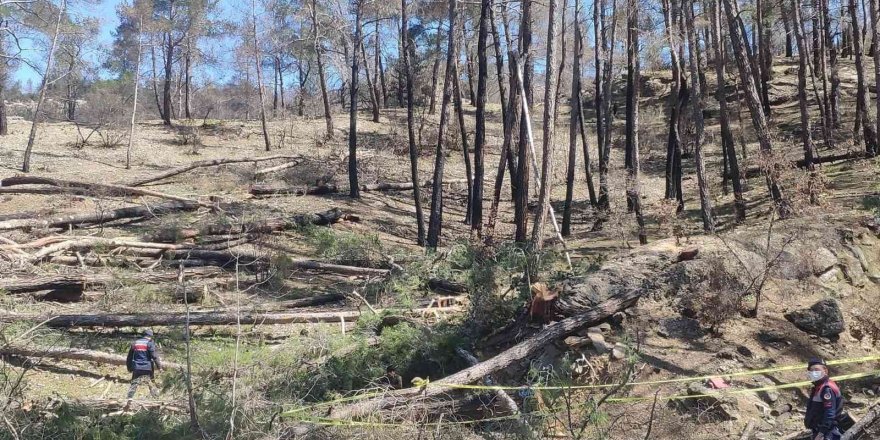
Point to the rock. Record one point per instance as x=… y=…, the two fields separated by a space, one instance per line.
x=830 y=276
x=662 y=333
x=687 y=254
x=618 y=352
x=770 y=396
x=822 y=319
x=779 y=410
x=823 y=260
x=599 y=343
x=743 y=350
x=604 y=327
x=712 y=403
x=576 y=341
x=594 y=330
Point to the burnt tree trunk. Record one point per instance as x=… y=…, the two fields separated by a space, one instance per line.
x=732 y=162
x=410 y=125
x=794 y=15
x=677 y=97
x=574 y=124
x=465 y=148
x=753 y=100
x=435 y=71
x=435 y=222
x=633 y=87
x=476 y=203
x=521 y=199
x=868 y=134
x=353 y=187
x=699 y=123
x=548 y=131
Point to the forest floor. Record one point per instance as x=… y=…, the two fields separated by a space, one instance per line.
x=270 y=358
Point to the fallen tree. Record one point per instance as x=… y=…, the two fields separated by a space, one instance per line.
x=98 y=217
x=267 y=190
x=511 y=356
x=264 y=226
x=94 y=189
x=204 y=318
x=277 y=168
x=70 y=353
x=202 y=164
x=54 y=282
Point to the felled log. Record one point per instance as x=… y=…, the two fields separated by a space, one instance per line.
x=316 y=190
x=277 y=168
x=403 y=186
x=833 y=158
x=505 y=359
x=199 y=318
x=311 y=301
x=446 y=287
x=53 y=282
x=255 y=227
x=857 y=431
x=95 y=189
x=201 y=164
x=97 y=217
x=69 y=353
x=122 y=406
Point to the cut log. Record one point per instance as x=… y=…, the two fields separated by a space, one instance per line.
x=277 y=168
x=312 y=301
x=201 y=164
x=113 y=407
x=80 y=219
x=318 y=190
x=56 y=282
x=404 y=186
x=171 y=235
x=446 y=287
x=507 y=358
x=94 y=189
x=202 y=318
x=833 y=158
x=857 y=431
x=77 y=354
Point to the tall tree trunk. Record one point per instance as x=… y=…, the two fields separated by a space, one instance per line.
x=562 y=60
x=868 y=135
x=633 y=87
x=187 y=82
x=506 y=160
x=50 y=56
x=4 y=121
x=274 y=85
x=699 y=123
x=794 y=13
x=608 y=117
x=835 y=68
x=379 y=73
x=789 y=46
x=548 y=147
x=521 y=200
x=753 y=100
x=435 y=71
x=303 y=77
x=166 y=87
x=822 y=67
x=677 y=97
x=465 y=148
x=281 y=81
x=258 y=67
x=598 y=59
x=574 y=122
x=353 y=187
x=470 y=70
x=137 y=77
x=875 y=20
x=319 y=59
x=763 y=52
x=410 y=125
x=374 y=98
x=480 y=129
x=155 y=78
x=71 y=89
x=435 y=222
x=739 y=205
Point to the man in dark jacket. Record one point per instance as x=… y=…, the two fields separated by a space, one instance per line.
x=825 y=405
x=142 y=357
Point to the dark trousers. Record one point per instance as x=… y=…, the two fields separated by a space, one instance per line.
x=138 y=377
x=833 y=435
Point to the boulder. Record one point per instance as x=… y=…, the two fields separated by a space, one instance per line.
x=599 y=342
x=822 y=319
x=712 y=403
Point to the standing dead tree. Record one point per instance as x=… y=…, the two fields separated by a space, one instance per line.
x=44 y=82
x=435 y=222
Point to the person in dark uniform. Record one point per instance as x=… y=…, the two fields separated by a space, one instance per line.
x=825 y=405
x=142 y=357
x=391 y=379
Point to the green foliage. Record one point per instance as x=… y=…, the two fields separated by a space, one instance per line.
x=77 y=423
x=345 y=247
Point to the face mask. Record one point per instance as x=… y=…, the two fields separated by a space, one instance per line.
x=815 y=375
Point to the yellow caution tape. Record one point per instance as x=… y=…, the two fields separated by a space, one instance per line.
x=423 y=383
x=355 y=423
